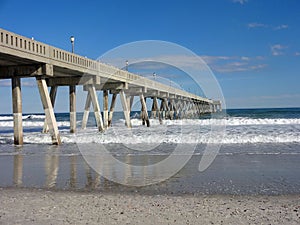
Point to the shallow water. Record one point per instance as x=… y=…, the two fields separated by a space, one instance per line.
x=269 y=169
x=260 y=154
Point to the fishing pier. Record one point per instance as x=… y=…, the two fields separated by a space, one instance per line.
x=22 y=57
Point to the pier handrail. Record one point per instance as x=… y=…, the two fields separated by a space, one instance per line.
x=41 y=52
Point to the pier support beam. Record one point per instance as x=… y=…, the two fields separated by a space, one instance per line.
x=49 y=113
x=154 y=108
x=72 y=95
x=172 y=109
x=159 y=112
x=86 y=110
x=162 y=112
x=125 y=109
x=17 y=110
x=129 y=100
x=167 y=109
x=112 y=109
x=53 y=92
x=105 y=108
x=144 y=112
x=97 y=111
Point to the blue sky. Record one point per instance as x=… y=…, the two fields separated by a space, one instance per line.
x=252 y=46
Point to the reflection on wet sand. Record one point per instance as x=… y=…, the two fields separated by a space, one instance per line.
x=73 y=173
x=51 y=169
x=18 y=170
x=56 y=168
x=90 y=182
x=53 y=165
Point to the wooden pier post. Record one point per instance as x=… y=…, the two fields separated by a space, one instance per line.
x=97 y=110
x=53 y=92
x=125 y=109
x=17 y=110
x=49 y=113
x=112 y=109
x=86 y=110
x=72 y=95
x=144 y=110
x=105 y=108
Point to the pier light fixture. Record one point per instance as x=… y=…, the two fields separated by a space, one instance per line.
x=154 y=76
x=126 y=65
x=72 y=39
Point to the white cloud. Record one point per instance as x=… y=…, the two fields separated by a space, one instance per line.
x=240 y=1
x=255 y=25
x=297 y=53
x=221 y=64
x=25 y=82
x=281 y=27
x=245 y=58
x=225 y=64
x=262 y=25
x=5 y=83
x=278 y=49
x=238 y=67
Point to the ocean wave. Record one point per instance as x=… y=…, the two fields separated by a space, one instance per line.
x=231 y=121
x=150 y=139
x=31 y=117
x=35 y=120
x=29 y=123
x=238 y=130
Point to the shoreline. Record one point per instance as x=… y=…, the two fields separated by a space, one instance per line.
x=42 y=206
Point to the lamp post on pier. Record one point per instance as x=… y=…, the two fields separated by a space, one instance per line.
x=72 y=39
x=154 y=76
x=126 y=68
x=72 y=98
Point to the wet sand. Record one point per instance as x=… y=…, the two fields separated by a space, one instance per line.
x=54 y=185
x=37 y=206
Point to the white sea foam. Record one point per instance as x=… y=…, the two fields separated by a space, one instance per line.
x=238 y=130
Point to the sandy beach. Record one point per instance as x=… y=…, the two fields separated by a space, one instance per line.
x=37 y=206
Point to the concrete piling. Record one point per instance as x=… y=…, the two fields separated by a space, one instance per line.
x=72 y=94
x=49 y=113
x=17 y=110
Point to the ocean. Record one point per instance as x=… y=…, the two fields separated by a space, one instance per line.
x=258 y=153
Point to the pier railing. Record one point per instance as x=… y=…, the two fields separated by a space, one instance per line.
x=41 y=52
